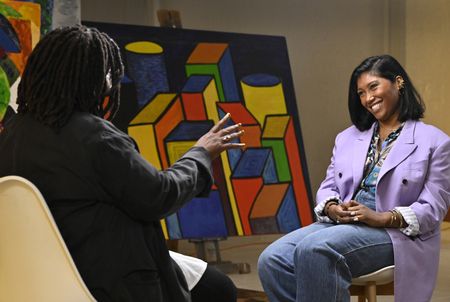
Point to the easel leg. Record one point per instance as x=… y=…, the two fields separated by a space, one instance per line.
x=227 y=267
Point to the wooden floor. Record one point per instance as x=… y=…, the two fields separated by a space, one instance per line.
x=247 y=295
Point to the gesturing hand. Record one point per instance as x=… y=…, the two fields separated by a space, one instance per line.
x=219 y=138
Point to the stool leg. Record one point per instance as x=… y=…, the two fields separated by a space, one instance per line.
x=371 y=291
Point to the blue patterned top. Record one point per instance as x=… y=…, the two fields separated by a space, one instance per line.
x=374 y=161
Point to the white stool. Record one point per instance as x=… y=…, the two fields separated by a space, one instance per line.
x=365 y=287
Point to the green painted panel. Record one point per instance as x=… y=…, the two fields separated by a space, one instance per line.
x=10 y=69
x=8 y=11
x=280 y=156
x=5 y=94
x=207 y=69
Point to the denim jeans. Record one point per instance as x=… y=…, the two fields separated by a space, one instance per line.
x=316 y=263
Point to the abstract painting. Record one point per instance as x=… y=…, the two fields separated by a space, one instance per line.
x=178 y=84
x=22 y=24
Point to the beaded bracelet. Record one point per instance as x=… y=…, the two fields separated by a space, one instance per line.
x=328 y=205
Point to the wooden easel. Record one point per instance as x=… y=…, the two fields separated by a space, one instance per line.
x=169 y=18
x=227 y=267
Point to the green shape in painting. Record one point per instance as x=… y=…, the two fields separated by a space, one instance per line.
x=10 y=69
x=8 y=11
x=207 y=69
x=281 y=158
x=5 y=93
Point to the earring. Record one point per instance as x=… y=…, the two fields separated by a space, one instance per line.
x=400 y=83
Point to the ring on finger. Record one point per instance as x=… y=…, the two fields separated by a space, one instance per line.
x=352 y=213
x=337 y=220
x=226 y=138
x=356 y=219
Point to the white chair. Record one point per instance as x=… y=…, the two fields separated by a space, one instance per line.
x=35 y=264
x=368 y=286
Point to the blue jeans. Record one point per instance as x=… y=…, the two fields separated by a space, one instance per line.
x=316 y=263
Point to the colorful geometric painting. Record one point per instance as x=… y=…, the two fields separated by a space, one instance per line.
x=178 y=84
x=20 y=30
x=22 y=24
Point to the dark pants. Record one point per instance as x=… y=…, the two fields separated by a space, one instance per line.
x=214 y=286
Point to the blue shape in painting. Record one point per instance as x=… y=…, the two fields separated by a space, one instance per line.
x=228 y=79
x=270 y=175
x=173 y=228
x=197 y=83
x=287 y=217
x=256 y=162
x=261 y=80
x=148 y=71
x=8 y=37
x=203 y=218
x=189 y=130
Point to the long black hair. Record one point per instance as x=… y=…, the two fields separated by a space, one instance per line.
x=71 y=69
x=411 y=105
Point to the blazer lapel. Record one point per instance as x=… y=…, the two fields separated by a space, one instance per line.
x=402 y=148
x=359 y=155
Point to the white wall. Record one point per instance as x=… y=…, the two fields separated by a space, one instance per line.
x=137 y=12
x=326 y=40
x=428 y=56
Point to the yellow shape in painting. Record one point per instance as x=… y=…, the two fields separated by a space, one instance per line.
x=177 y=149
x=142 y=127
x=275 y=126
x=144 y=135
x=144 y=47
x=151 y=112
x=211 y=98
x=264 y=100
x=164 y=228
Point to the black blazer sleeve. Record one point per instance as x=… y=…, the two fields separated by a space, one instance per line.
x=137 y=187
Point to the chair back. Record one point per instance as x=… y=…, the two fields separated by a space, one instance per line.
x=35 y=264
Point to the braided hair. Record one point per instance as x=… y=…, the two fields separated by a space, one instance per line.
x=71 y=69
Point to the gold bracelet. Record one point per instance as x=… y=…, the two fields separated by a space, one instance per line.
x=393 y=218
x=400 y=218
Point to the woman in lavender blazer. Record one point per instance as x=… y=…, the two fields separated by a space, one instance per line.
x=385 y=194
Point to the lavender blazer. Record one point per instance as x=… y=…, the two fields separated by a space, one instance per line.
x=416 y=173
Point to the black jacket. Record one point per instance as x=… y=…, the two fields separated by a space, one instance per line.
x=107 y=202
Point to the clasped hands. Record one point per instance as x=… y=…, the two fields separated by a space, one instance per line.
x=352 y=212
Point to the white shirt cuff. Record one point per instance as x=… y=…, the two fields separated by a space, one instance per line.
x=318 y=210
x=413 y=228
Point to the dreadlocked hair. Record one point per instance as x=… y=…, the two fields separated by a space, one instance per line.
x=66 y=72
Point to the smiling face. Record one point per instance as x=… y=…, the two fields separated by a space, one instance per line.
x=380 y=97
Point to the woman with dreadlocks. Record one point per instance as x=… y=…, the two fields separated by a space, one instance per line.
x=105 y=198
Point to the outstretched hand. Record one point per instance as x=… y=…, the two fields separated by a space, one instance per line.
x=219 y=139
